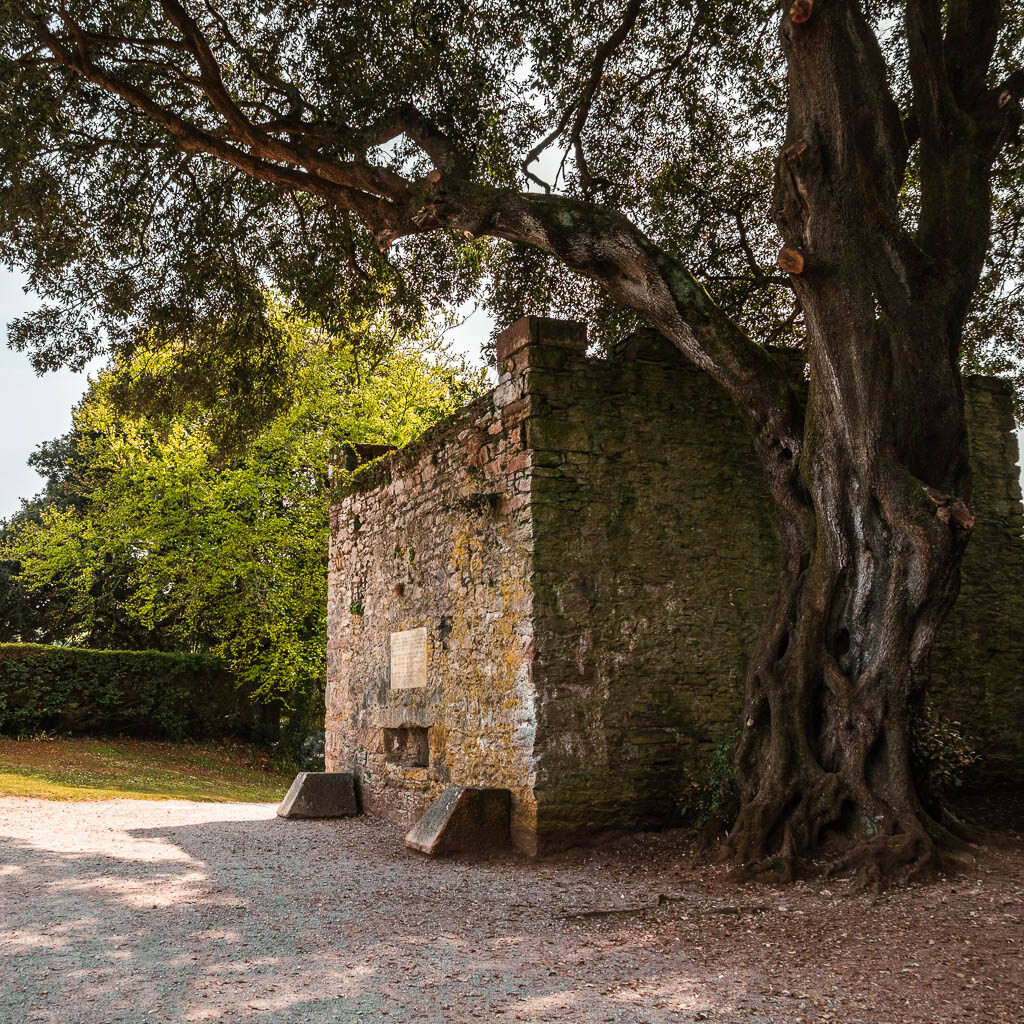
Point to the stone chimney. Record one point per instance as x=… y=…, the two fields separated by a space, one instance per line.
x=516 y=344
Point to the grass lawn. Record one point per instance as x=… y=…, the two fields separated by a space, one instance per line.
x=87 y=769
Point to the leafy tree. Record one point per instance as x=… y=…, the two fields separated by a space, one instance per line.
x=165 y=540
x=162 y=160
x=40 y=614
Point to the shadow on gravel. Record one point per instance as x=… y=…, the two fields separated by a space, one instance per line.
x=301 y=921
x=253 y=918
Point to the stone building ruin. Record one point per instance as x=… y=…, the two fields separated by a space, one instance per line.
x=555 y=591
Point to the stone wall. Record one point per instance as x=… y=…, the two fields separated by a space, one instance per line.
x=591 y=551
x=435 y=536
x=978 y=660
x=654 y=560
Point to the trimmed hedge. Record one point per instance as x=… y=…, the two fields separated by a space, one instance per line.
x=147 y=694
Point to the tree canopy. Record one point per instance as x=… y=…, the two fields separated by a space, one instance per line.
x=160 y=162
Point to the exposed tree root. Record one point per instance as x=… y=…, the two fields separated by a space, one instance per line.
x=816 y=826
x=875 y=861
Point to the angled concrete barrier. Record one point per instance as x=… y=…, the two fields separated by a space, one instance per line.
x=320 y=795
x=463 y=819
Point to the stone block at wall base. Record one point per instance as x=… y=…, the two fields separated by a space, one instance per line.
x=320 y=795
x=464 y=819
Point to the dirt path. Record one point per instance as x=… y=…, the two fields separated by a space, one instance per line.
x=137 y=911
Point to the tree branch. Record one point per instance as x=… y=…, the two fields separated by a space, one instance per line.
x=406 y=119
x=972 y=28
x=927 y=70
x=604 y=52
x=192 y=139
x=963 y=125
x=581 y=107
x=288 y=90
x=353 y=175
x=589 y=239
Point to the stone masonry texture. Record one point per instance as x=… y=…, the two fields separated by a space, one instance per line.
x=590 y=550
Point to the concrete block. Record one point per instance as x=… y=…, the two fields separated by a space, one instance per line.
x=320 y=795
x=463 y=819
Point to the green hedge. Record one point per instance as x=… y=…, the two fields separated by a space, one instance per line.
x=148 y=694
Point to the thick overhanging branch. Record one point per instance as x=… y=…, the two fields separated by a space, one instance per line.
x=606 y=247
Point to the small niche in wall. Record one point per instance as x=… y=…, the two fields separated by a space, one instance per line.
x=408 y=745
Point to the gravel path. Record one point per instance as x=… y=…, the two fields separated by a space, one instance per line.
x=173 y=911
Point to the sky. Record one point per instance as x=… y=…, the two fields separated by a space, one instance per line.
x=34 y=409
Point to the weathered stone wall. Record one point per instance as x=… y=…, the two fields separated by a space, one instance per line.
x=978 y=661
x=654 y=559
x=590 y=549
x=435 y=536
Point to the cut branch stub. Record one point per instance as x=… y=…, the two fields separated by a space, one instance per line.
x=801 y=11
x=951 y=510
x=792 y=153
x=792 y=261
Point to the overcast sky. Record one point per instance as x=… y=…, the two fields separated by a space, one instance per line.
x=35 y=409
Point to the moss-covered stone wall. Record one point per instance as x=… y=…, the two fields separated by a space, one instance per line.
x=654 y=563
x=978 y=661
x=654 y=560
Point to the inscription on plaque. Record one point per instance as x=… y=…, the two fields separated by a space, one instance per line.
x=409 y=659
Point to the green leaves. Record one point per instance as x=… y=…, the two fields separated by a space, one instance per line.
x=131 y=229
x=184 y=543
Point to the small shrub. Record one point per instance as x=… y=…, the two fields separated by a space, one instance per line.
x=300 y=742
x=714 y=796
x=941 y=753
x=312 y=751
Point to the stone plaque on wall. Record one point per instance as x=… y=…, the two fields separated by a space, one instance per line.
x=409 y=659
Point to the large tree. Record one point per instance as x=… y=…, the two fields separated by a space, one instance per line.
x=162 y=159
x=151 y=534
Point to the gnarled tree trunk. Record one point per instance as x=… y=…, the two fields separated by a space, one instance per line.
x=874 y=524
x=869 y=571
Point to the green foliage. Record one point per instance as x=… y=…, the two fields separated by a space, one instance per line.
x=941 y=759
x=135 y=693
x=714 y=797
x=941 y=754
x=122 y=232
x=182 y=539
